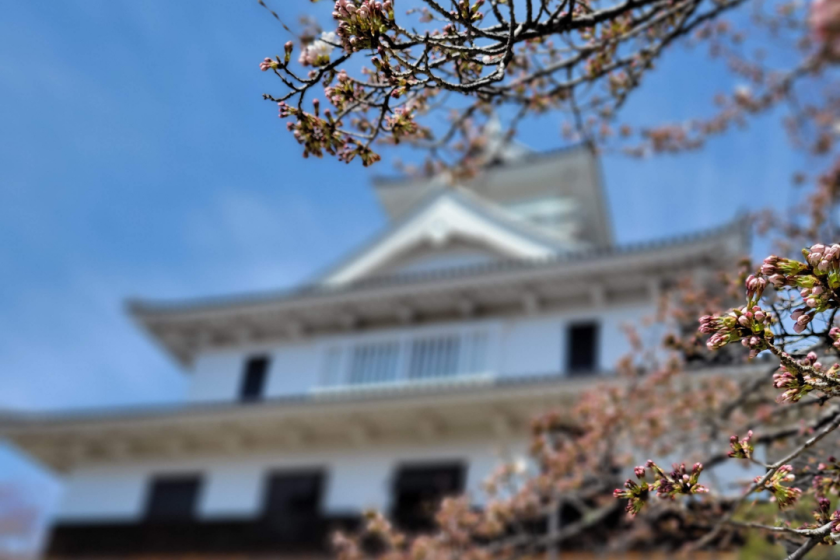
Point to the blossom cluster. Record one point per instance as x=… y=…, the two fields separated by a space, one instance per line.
x=467 y=12
x=823 y=513
x=799 y=382
x=319 y=135
x=362 y=24
x=827 y=479
x=834 y=334
x=275 y=63
x=750 y=325
x=825 y=23
x=402 y=123
x=785 y=496
x=342 y=91
x=318 y=52
x=742 y=449
x=816 y=279
x=667 y=486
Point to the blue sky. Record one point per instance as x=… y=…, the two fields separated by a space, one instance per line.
x=137 y=158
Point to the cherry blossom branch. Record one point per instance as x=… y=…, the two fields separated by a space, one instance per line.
x=510 y=62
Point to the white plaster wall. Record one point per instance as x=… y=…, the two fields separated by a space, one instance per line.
x=537 y=345
x=614 y=343
x=93 y=492
x=532 y=346
x=229 y=488
x=293 y=370
x=216 y=376
x=233 y=486
x=521 y=346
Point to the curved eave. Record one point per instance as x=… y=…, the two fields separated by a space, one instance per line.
x=496 y=408
x=353 y=304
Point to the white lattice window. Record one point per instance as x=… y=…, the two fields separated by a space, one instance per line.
x=374 y=363
x=405 y=358
x=435 y=356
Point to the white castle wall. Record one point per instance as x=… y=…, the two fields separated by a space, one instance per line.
x=232 y=486
x=357 y=478
x=521 y=346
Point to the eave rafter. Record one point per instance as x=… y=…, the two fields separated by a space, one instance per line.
x=494 y=411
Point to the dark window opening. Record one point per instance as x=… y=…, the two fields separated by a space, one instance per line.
x=173 y=498
x=582 y=348
x=418 y=490
x=253 y=380
x=292 y=507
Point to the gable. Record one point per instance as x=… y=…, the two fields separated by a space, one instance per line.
x=428 y=257
x=452 y=226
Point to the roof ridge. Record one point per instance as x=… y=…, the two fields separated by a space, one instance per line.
x=396 y=181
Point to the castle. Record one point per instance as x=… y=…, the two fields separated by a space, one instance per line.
x=405 y=372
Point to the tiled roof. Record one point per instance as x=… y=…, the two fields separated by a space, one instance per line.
x=501 y=265
x=349 y=395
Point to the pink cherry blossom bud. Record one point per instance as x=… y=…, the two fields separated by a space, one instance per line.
x=778 y=280
x=801 y=323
